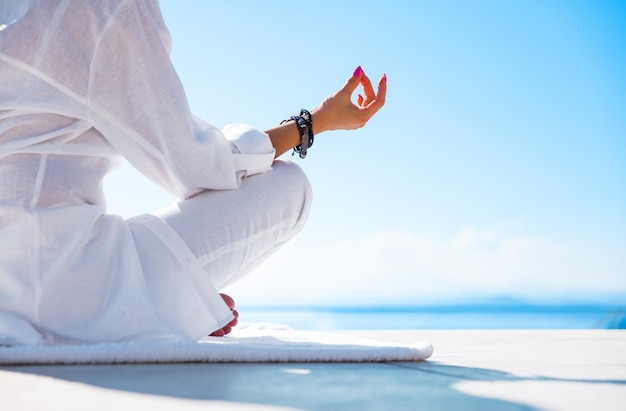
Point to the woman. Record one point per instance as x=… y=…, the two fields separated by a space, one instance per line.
x=85 y=84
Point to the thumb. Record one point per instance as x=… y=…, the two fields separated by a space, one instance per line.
x=354 y=81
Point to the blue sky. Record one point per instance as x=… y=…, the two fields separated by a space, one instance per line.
x=496 y=168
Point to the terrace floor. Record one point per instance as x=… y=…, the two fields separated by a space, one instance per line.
x=470 y=369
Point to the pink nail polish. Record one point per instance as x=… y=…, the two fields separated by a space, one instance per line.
x=357 y=72
x=385 y=78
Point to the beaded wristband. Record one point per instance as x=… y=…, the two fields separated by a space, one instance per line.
x=304 y=122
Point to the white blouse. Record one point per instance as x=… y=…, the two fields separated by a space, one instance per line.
x=84 y=85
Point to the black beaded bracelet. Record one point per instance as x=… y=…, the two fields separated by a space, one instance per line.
x=304 y=122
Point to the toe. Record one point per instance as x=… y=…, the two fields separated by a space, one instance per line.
x=229 y=301
x=218 y=333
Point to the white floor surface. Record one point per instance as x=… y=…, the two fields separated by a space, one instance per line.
x=482 y=370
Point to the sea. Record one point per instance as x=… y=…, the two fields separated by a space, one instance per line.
x=473 y=316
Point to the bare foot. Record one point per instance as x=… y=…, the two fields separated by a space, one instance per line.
x=228 y=327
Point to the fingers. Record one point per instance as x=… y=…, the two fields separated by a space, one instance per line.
x=358 y=78
x=373 y=101
x=368 y=90
x=381 y=93
x=370 y=97
x=339 y=112
x=353 y=82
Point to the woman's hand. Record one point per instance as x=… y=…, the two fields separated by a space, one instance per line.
x=338 y=112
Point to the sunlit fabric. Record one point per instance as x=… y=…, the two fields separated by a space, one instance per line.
x=83 y=86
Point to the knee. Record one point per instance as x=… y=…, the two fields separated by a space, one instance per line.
x=294 y=188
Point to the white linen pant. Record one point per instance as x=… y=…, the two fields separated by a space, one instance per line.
x=230 y=232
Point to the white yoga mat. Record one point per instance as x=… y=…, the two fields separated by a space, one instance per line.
x=247 y=343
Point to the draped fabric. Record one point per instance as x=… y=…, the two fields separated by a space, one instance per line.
x=85 y=85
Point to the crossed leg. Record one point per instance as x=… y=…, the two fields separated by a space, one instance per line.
x=231 y=232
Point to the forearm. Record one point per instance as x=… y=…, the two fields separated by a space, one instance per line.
x=284 y=137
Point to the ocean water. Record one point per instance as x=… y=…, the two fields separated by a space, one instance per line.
x=520 y=316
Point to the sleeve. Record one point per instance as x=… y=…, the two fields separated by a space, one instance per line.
x=137 y=102
x=253 y=149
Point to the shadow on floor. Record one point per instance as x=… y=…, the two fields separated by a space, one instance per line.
x=310 y=386
x=484 y=374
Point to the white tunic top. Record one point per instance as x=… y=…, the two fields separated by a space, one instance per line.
x=84 y=84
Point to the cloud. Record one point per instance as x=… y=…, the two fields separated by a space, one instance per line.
x=400 y=267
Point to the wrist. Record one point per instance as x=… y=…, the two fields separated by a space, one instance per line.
x=304 y=125
x=320 y=120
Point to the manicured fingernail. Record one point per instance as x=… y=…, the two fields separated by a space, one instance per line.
x=357 y=72
x=385 y=78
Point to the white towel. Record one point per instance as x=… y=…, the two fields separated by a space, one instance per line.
x=247 y=343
